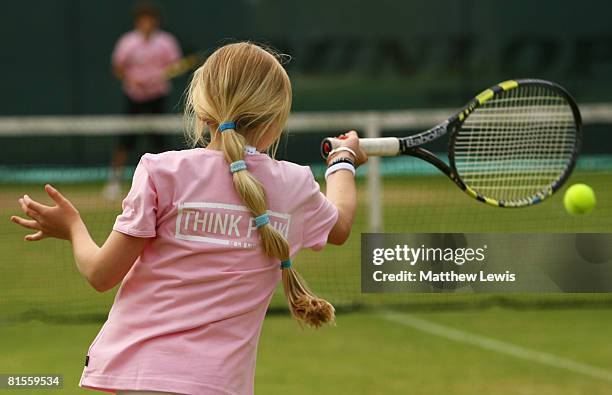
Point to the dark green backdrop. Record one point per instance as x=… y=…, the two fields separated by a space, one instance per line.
x=351 y=55
x=346 y=54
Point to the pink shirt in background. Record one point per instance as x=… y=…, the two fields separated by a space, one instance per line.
x=144 y=61
x=188 y=315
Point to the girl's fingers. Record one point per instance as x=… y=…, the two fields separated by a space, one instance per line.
x=55 y=195
x=26 y=223
x=28 y=211
x=34 y=205
x=36 y=236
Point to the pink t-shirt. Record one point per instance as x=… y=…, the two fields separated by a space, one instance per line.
x=144 y=61
x=187 y=316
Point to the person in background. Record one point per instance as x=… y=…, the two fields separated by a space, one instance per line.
x=140 y=60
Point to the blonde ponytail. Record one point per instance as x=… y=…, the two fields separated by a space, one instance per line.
x=241 y=92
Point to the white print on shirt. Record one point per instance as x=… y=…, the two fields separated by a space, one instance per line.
x=224 y=224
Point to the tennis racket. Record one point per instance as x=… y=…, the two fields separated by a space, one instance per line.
x=513 y=145
x=182 y=66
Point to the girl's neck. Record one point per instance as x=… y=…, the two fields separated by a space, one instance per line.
x=249 y=149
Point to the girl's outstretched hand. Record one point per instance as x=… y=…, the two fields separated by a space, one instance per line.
x=59 y=221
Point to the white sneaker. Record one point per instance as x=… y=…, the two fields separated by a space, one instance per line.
x=112 y=190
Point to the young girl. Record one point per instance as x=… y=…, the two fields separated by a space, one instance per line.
x=205 y=236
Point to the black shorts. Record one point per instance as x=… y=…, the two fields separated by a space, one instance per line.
x=155 y=106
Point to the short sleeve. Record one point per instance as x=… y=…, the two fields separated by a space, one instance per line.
x=173 y=51
x=139 y=216
x=320 y=216
x=121 y=51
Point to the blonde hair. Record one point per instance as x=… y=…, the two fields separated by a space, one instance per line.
x=246 y=84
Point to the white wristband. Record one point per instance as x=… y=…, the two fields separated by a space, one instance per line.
x=346 y=149
x=339 y=166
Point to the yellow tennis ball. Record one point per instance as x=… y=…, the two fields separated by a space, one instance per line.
x=579 y=199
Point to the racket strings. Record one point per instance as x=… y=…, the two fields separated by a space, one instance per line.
x=516 y=145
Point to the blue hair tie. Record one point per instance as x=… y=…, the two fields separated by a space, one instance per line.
x=286 y=264
x=237 y=166
x=262 y=220
x=227 y=125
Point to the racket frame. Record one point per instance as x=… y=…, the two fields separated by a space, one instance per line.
x=411 y=145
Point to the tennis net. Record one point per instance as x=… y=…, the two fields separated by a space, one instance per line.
x=395 y=195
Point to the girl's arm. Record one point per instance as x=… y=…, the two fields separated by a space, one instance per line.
x=103 y=267
x=341 y=191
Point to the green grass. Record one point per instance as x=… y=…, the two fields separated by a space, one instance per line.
x=364 y=354
x=367 y=354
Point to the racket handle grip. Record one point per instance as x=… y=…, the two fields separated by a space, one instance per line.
x=381 y=146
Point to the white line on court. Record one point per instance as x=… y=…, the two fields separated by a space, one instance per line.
x=496 y=345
